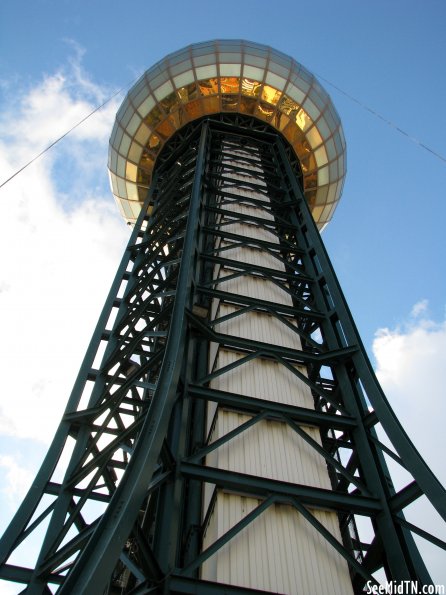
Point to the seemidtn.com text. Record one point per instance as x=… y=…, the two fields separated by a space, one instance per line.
x=404 y=588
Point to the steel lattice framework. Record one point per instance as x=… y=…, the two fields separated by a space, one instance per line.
x=126 y=517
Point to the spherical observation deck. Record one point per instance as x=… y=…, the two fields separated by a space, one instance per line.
x=228 y=76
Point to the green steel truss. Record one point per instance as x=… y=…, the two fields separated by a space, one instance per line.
x=125 y=515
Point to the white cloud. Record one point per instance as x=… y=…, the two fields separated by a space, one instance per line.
x=419 y=308
x=410 y=363
x=60 y=239
x=18 y=479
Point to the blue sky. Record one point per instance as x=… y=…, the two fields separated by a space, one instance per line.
x=61 y=236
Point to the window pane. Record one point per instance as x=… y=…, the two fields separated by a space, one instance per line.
x=206 y=72
x=230 y=69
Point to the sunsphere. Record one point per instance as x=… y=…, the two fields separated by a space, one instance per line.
x=228 y=76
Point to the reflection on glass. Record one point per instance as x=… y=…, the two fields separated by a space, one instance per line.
x=211 y=105
x=229 y=102
x=154 y=142
x=270 y=94
x=153 y=117
x=288 y=106
x=165 y=129
x=193 y=109
x=188 y=93
x=248 y=105
x=146 y=161
x=169 y=102
x=265 y=111
x=229 y=84
x=208 y=86
x=302 y=119
x=250 y=87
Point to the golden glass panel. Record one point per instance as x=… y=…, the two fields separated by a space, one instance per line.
x=230 y=84
x=302 y=120
x=146 y=162
x=310 y=180
x=143 y=178
x=229 y=102
x=270 y=94
x=142 y=193
x=131 y=171
x=154 y=117
x=169 y=102
x=250 y=87
x=265 y=111
x=208 y=86
x=248 y=104
x=154 y=142
x=165 y=129
x=288 y=106
x=176 y=119
x=310 y=195
x=317 y=212
x=194 y=109
x=211 y=105
x=308 y=162
x=302 y=148
x=280 y=120
x=188 y=93
x=289 y=132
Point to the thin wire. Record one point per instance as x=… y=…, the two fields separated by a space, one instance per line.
x=385 y=120
x=96 y=109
